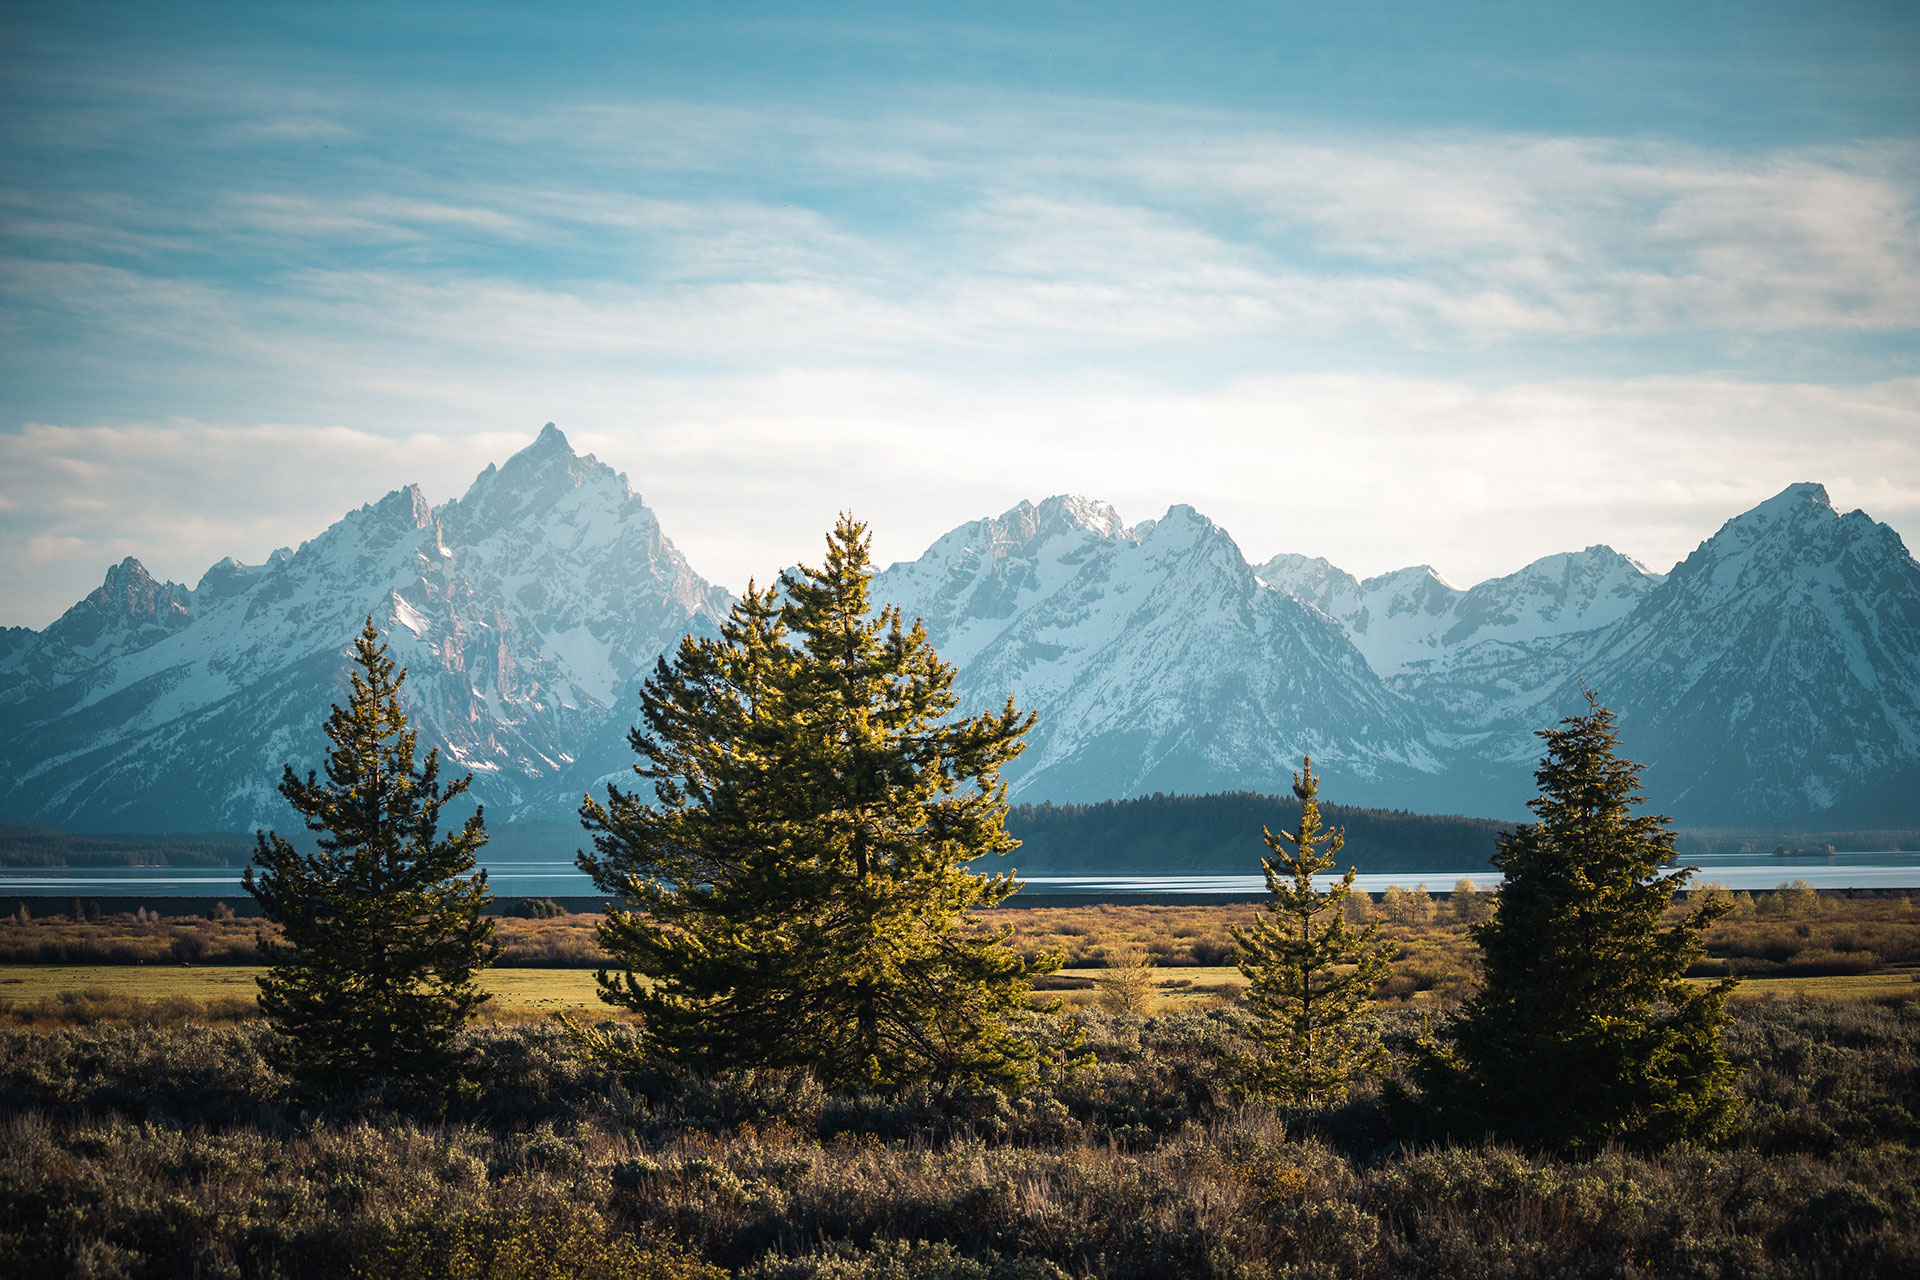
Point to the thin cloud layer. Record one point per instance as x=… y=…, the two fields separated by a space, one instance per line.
x=1357 y=469
x=234 y=303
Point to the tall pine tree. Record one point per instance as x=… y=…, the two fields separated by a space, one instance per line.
x=1311 y=974
x=797 y=888
x=1584 y=1031
x=383 y=924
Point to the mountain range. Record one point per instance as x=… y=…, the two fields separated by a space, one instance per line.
x=1773 y=676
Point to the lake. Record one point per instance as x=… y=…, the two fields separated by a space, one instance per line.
x=554 y=879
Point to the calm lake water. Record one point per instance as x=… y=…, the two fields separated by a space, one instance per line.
x=563 y=880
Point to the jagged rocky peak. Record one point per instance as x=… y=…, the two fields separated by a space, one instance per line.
x=129 y=599
x=221 y=577
x=1564 y=576
x=1013 y=542
x=405 y=508
x=397 y=518
x=1792 y=532
x=1597 y=558
x=1795 y=512
x=1416 y=582
x=1187 y=537
x=1308 y=578
x=532 y=482
x=1802 y=502
x=228 y=577
x=1026 y=523
x=130 y=591
x=1555 y=595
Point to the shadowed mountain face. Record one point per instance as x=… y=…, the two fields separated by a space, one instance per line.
x=1776 y=672
x=525 y=613
x=1772 y=676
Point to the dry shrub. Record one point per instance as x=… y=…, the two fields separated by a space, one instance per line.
x=1793 y=900
x=163 y=1152
x=1471 y=904
x=550 y=942
x=96 y=1006
x=560 y=1243
x=1127 y=987
x=1827 y=962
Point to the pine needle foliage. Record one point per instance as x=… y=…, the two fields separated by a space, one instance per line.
x=383 y=926
x=796 y=891
x=1310 y=972
x=1584 y=1031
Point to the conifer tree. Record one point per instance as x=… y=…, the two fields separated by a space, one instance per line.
x=1584 y=1031
x=383 y=931
x=796 y=890
x=1311 y=974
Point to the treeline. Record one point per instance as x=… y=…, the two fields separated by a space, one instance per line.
x=1809 y=841
x=27 y=844
x=1220 y=835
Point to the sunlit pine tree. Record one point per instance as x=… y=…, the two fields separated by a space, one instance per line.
x=796 y=892
x=383 y=925
x=1311 y=973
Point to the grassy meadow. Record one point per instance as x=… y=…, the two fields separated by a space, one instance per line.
x=1780 y=944
x=148 y=1133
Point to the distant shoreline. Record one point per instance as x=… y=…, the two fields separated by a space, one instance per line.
x=44 y=906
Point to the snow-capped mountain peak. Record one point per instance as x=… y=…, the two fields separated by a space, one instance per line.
x=1803 y=502
x=1063 y=513
x=1155 y=658
x=128 y=609
x=1772 y=675
x=525 y=613
x=1414 y=616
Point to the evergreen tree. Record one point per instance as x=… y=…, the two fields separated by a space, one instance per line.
x=1583 y=1031
x=797 y=888
x=1311 y=974
x=382 y=934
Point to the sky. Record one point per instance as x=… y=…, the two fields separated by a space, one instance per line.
x=1462 y=285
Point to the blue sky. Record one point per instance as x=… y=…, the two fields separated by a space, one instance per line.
x=1463 y=285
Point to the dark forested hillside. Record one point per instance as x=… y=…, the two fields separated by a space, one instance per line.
x=1220 y=835
x=28 y=844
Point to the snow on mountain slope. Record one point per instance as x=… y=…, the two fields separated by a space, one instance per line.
x=1776 y=672
x=126 y=612
x=1773 y=675
x=524 y=612
x=1414 y=615
x=1155 y=658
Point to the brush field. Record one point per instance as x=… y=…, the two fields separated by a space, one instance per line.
x=147 y=1132
x=1780 y=944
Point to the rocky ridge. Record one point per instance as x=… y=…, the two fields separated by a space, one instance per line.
x=1772 y=676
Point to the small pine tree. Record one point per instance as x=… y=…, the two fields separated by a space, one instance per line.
x=1310 y=974
x=383 y=924
x=798 y=888
x=1584 y=1031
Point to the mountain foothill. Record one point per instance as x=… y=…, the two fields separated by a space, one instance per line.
x=1772 y=676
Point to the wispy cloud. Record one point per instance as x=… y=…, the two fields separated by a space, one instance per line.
x=768 y=313
x=1377 y=472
